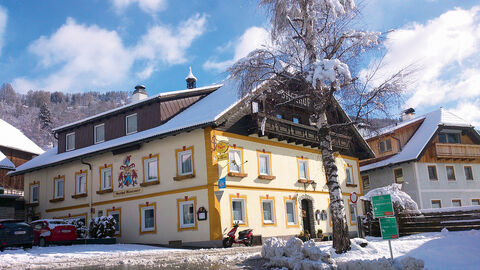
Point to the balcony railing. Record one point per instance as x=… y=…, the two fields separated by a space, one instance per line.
x=451 y=150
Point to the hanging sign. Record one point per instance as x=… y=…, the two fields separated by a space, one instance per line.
x=388 y=228
x=353 y=197
x=382 y=206
x=128 y=175
x=222 y=183
x=222 y=150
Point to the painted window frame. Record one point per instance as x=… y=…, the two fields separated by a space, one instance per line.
x=435 y=170
x=111 y=212
x=475 y=200
x=436 y=200
x=55 y=181
x=31 y=188
x=292 y=200
x=235 y=149
x=77 y=175
x=178 y=153
x=395 y=175
x=243 y=200
x=269 y=167
x=66 y=142
x=457 y=200
x=146 y=169
x=142 y=208
x=307 y=173
x=347 y=168
x=180 y=203
x=366 y=176
x=101 y=170
x=95 y=133
x=471 y=172
x=273 y=214
x=453 y=170
x=126 y=124
x=354 y=207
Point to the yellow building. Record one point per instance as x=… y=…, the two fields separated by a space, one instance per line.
x=155 y=165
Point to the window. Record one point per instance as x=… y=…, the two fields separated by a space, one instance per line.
x=100 y=213
x=116 y=213
x=239 y=213
x=59 y=187
x=80 y=183
x=279 y=116
x=475 y=201
x=131 y=123
x=456 y=203
x=432 y=172
x=366 y=181
x=264 y=163
x=398 y=174
x=295 y=120
x=302 y=168
x=185 y=161
x=235 y=160
x=106 y=178
x=349 y=174
x=436 y=204
x=70 y=141
x=268 y=210
x=186 y=213
x=150 y=168
x=99 y=133
x=291 y=212
x=33 y=193
x=385 y=145
x=449 y=137
x=147 y=218
x=353 y=214
x=450 y=173
x=468 y=172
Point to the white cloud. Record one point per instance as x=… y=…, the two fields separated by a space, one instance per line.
x=147 y=6
x=3 y=26
x=253 y=38
x=470 y=111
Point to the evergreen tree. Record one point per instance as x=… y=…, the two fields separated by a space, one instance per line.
x=45 y=117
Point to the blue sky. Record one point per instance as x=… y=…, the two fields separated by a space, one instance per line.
x=75 y=46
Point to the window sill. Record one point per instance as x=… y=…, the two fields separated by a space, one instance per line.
x=33 y=204
x=103 y=191
x=351 y=185
x=151 y=183
x=145 y=232
x=76 y=196
x=305 y=181
x=266 y=177
x=57 y=200
x=235 y=174
x=183 y=177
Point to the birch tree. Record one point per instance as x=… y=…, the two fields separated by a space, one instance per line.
x=313 y=43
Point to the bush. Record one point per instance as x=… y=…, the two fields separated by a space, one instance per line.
x=304 y=236
x=102 y=227
x=80 y=225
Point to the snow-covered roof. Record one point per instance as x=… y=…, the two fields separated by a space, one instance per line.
x=11 y=137
x=392 y=128
x=422 y=136
x=5 y=163
x=203 y=112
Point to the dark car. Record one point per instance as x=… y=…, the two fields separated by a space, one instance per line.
x=15 y=233
x=53 y=231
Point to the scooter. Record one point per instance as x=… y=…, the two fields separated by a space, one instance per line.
x=244 y=237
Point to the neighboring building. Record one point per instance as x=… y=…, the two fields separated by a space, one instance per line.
x=436 y=157
x=155 y=165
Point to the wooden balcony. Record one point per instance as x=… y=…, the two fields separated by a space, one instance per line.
x=298 y=133
x=457 y=151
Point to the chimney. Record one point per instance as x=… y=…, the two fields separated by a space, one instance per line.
x=191 y=80
x=408 y=114
x=139 y=93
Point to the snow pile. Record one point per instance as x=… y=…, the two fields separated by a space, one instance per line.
x=452 y=209
x=294 y=254
x=400 y=199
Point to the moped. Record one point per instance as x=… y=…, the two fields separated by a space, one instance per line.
x=244 y=237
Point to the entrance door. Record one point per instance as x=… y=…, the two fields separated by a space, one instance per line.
x=307 y=216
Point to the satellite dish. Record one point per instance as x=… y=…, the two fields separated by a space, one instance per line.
x=237 y=159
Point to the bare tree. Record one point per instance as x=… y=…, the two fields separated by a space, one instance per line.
x=313 y=43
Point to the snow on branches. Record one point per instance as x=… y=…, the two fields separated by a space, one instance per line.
x=327 y=72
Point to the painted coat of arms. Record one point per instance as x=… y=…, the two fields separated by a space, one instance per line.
x=128 y=175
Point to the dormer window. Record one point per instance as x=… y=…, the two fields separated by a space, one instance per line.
x=70 y=141
x=99 y=131
x=385 y=145
x=131 y=123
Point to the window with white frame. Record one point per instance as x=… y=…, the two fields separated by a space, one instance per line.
x=268 y=211
x=81 y=187
x=148 y=218
x=353 y=213
x=385 y=145
x=34 y=193
x=349 y=174
x=185 y=162
x=291 y=212
x=264 y=164
x=187 y=214
x=131 y=123
x=151 y=169
x=235 y=160
x=99 y=133
x=70 y=141
x=116 y=215
x=238 y=211
x=302 y=169
x=106 y=178
x=59 y=183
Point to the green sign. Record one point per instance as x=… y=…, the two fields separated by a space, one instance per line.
x=388 y=227
x=382 y=206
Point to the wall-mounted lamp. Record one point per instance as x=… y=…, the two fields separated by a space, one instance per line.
x=314 y=185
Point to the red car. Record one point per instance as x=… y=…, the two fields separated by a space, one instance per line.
x=53 y=231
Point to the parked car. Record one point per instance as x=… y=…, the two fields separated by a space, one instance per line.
x=14 y=233
x=53 y=231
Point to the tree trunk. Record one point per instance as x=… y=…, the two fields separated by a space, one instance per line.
x=341 y=240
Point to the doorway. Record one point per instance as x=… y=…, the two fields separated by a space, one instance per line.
x=307 y=217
